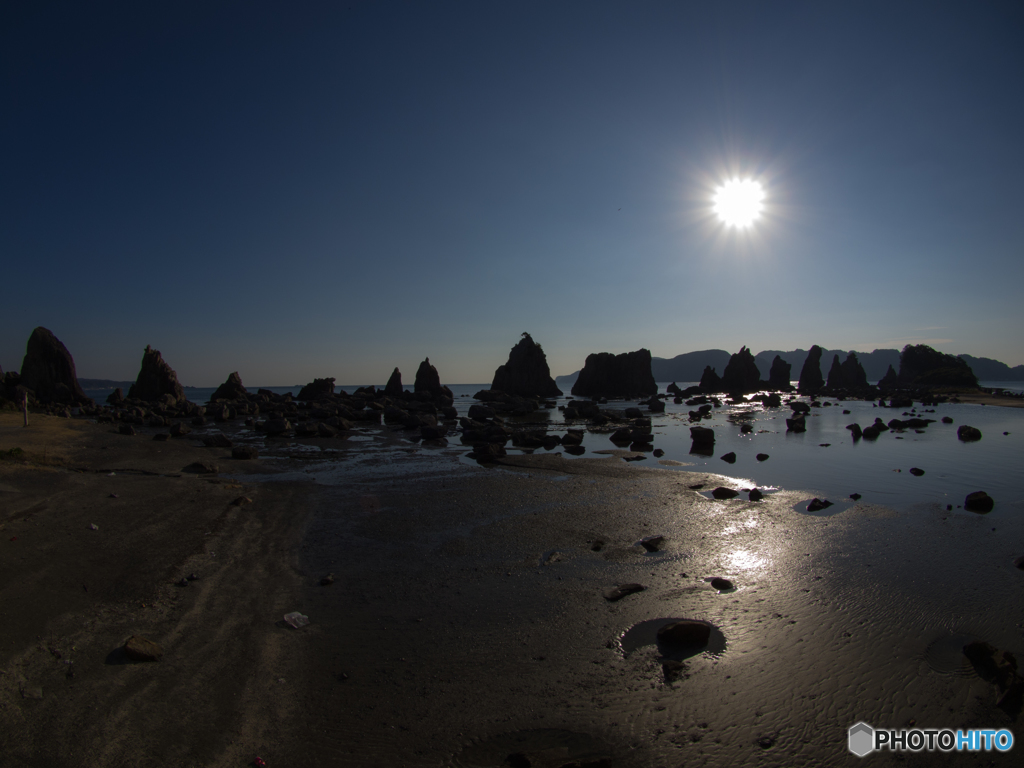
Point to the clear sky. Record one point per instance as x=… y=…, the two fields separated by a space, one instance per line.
x=294 y=190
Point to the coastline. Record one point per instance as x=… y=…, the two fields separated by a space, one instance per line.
x=467 y=620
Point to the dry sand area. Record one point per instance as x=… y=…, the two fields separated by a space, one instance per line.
x=467 y=623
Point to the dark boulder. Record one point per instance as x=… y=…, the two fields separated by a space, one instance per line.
x=796 y=424
x=318 y=389
x=616 y=376
x=710 y=381
x=741 y=375
x=778 y=376
x=854 y=378
x=49 y=371
x=762 y=457
x=968 y=434
x=923 y=367
x=979 y=501
x=231 y=389
x=703 y=441
x=721 y=584
x=729 y=458
x=526 y=373
x=156 y=379
x=916 y=471
x=816 y=505
x=724 y=493
x=116 y=397
x=890 y=381
x=394 y=386
x=811 y=381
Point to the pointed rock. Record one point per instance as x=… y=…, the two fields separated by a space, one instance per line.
x=156 y=379
x=49 y=370
x=526 y=373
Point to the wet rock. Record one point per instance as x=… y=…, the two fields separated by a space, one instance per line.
x=796 y=424
x=652 y=543
x=724 y=493
x=218 y=440
x=855 y=430
x=658 y=453
x=721 y=584
x=48 y=370
x=729 y=458
x=710 y=381
x=778 y=376
x=968 y=434
x=200 y=468
x=231 y=389
x=156 y=380
x=686 y=633
x=575 y=450
x=318 y=389
x=526 y=373
x=703 y=440
x=979 y=501
x=755 y=495
x=855 y=496
x=138 y=648
x=276 y=426
x=916 y=472
x=488 y=452
x=762 y=457
x=871 y=432
x=616 y=376
x=244 y=452
x=746 y=428
x=817 y=505
x=947 y=419
x=621 y=591
x=326 y=430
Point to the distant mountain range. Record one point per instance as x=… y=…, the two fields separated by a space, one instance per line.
x=690 y=366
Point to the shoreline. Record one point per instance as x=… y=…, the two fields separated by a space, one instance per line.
x=467 y=620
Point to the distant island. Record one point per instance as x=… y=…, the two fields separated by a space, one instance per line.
x=690 y=366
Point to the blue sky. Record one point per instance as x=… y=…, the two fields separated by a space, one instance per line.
x=331 y=189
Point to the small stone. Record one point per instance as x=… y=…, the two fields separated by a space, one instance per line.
x=817 y=505
x=729 y=458
x=947 y=420
x=245 y=452
x=968 y=434
x=138 y=648
x=327 y=580
x=652 y=543
x=724 y=493
x=762 y=457
x=721 y=584
x=658 y=453
x=855 y=496
x=755 y=495
x=621 y=591
x=597 y=545
x=916 y=472
x=766 y=742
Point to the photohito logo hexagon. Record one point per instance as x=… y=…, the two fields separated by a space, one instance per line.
x=862 y=737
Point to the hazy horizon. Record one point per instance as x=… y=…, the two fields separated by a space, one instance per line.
x=325 y=190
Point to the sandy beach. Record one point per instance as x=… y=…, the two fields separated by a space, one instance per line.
x=467 y=622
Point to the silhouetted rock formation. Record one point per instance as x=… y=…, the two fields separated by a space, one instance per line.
x=778 y=378
x=318 y=389
x=231 y=389
x=429 y=382
x=526 y=373
x=922 y=366
x=710 y=381
x=811 y=381
x=618 y=376
x=835 y=374
x=49 y=371
x=156 y=379
x=394 y=386
x=741 y=375
x=889 y=381
x=853 y=376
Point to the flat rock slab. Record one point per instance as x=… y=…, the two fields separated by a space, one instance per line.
x=138 y=648
x=621 y=591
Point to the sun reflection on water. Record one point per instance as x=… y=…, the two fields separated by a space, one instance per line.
x=745 y=560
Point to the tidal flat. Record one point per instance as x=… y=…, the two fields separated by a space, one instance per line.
x=467 y=622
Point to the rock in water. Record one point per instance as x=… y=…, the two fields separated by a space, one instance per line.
x=116 y=397
x=616 y=376
x=686 y=633
x=49 y=370
x=318 y=389
x=138 y=648
x=916 y=472
x=855 y=378
x=778 y=377
x=811 y=381
x=394 y=386
x=741 y=375
x=526 y=373
x=979 y=501
x=835 y=374
x=968 y=434
x=724 y=493
x=231 y=389
x=245 y=452
x=428 y=381
x=817 y=505
x=710 y=382
x=796 y=424
x=729 y=457
x=889 y=381
x=721 y=584
x=922 y=367
x=156 y=379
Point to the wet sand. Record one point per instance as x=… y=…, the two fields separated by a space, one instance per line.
x=467 y=623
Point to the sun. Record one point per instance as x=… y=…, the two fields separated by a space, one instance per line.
x=738 y=202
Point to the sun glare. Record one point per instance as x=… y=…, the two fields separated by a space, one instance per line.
x=738 y=202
